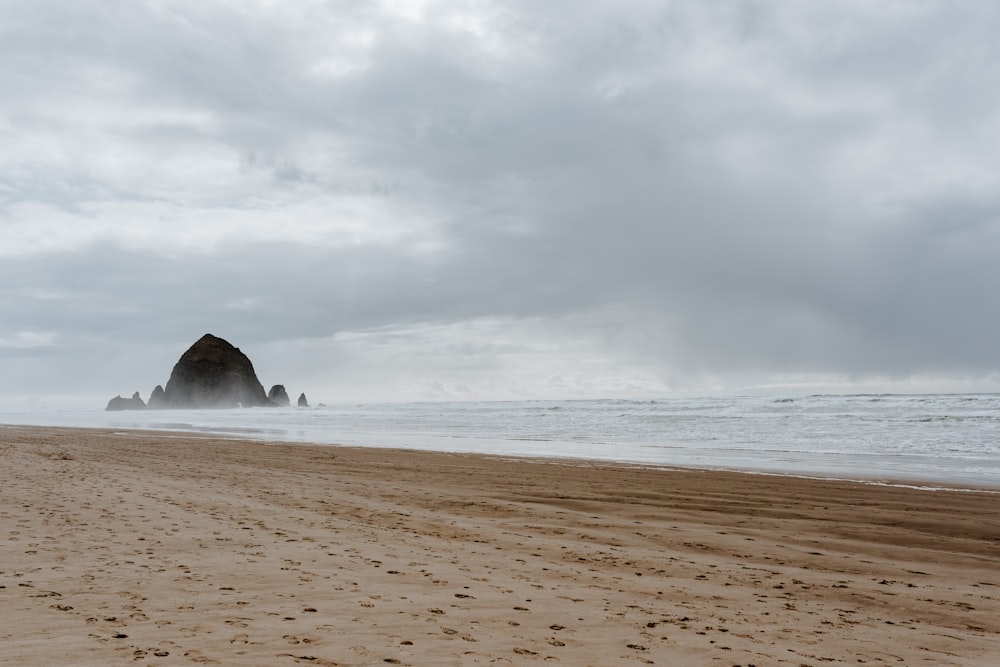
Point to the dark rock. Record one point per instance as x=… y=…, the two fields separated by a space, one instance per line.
x=279 y=396
x=303 y=403
x=214 y=374
x=119 y=403
x=158 y=398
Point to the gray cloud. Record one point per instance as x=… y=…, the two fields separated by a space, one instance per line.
x=744 y=192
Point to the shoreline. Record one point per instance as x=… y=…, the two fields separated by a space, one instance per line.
x=929 y=438
x=916 y=483
x=171 y=548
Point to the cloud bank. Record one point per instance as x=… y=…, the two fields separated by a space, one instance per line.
x=401 y=200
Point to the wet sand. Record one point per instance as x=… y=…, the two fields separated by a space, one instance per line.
x=159 y=549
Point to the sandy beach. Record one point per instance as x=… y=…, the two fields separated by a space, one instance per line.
x=159 y=549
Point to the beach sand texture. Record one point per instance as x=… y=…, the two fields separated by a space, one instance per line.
x=159 y=549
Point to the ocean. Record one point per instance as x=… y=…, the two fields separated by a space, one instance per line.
x=951 y=439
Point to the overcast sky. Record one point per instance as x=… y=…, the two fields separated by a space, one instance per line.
x=522 y=199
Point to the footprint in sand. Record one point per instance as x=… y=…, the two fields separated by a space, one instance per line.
x=196 y=656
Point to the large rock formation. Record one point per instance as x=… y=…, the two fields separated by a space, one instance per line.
x=279 y=396
x=303 y=403
x=211 y=374
x=214 y=374
x=119 y=403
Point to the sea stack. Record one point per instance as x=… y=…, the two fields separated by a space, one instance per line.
x=118 y=403
x=303 y=403
x=157 y=399
x=214 y=374
x=279 y=396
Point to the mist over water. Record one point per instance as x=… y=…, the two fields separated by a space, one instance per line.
x=952 y=439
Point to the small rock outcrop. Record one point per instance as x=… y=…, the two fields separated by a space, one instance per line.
x=303 y=403
x=118 y=403
x=158 y=398
x=279 y=396
x=214 y=374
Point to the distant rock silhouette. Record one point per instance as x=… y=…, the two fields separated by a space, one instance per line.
x=158 y=398
x=119 y=403
x=214 y=374
x=210 y=374
x=279 y=396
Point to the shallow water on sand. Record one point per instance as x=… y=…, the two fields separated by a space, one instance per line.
x=947 y=438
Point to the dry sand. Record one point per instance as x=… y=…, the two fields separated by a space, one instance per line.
x=123 y=547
